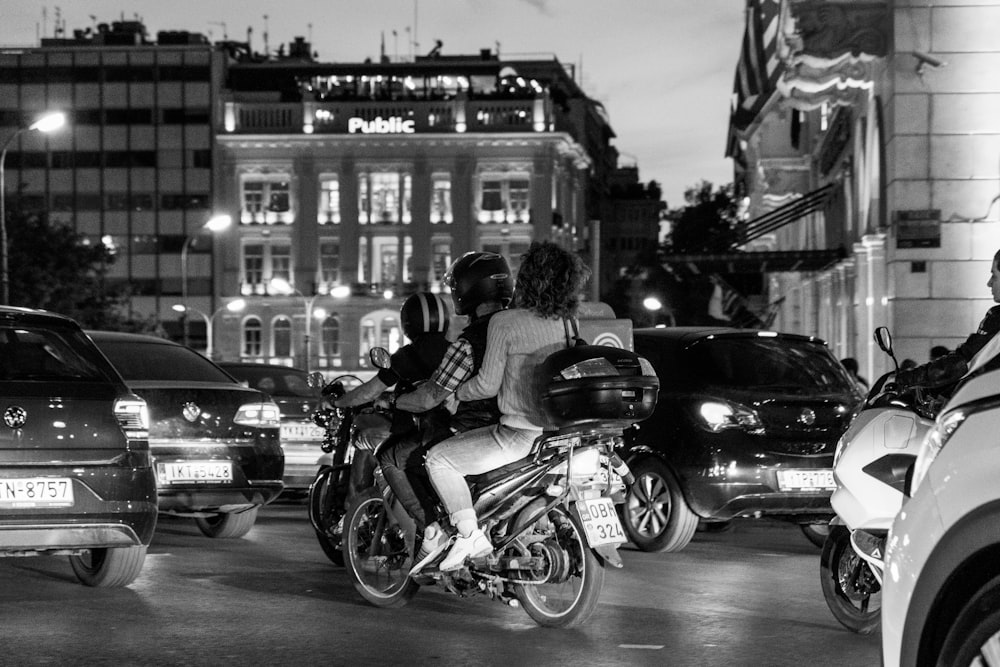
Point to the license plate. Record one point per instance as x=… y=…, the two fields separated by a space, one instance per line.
x=198 y=472
x=797 y=480
x=36 y=492
x=600 y=521
x=301 y=432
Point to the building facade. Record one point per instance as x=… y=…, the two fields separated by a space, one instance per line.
x=866 y=142
x=349 y=185
x=134 y=168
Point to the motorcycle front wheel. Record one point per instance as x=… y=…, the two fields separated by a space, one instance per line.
x=326 y=513
x=376 y=552
x=571 y=576
x=849 y=586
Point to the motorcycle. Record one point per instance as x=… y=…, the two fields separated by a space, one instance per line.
x=870 y=468
x=346 y=466
x=550 y=516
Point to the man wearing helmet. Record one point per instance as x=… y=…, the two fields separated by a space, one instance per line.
x=481 y=285
x=546 y=294
x=424 y=319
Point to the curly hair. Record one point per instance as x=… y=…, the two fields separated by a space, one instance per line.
x=550 y=280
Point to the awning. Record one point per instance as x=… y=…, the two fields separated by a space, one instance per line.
x=781 y=216
x=755 y=262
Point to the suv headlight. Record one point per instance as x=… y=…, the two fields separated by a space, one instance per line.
x=719 y=415
x=944 y=427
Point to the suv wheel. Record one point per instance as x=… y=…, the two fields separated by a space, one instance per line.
x=109 y=567
x=976 y=631
x=656 y=516
x=227 y=525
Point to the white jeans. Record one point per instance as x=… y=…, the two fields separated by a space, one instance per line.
x=473 y=453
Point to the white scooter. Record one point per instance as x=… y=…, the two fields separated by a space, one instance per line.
x=870 y=467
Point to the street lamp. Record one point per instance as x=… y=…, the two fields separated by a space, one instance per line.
x=282 y=286
x=47 y=123
x=234 y=306
x=215 y=224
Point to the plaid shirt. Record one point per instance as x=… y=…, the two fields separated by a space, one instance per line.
x=456 y=366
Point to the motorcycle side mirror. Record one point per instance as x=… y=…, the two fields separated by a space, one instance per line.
x=379 y=357
x=884 y=340
x=315 y=380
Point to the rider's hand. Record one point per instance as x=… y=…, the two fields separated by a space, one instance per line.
x=385 y=402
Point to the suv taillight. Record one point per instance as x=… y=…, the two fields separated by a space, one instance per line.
x=263 y=414
x=133 y=417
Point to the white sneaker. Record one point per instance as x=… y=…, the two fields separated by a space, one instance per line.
x=433 y=545
x=473 y=546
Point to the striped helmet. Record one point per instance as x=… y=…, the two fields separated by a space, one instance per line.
x=424 y=313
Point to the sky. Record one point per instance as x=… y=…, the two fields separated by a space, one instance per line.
x=663 y=69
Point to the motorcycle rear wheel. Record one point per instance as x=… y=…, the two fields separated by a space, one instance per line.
x=851 y=591
x=376 y=553
x=326 y=515
x=576 y=574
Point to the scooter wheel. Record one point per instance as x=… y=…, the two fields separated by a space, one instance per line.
x=850 y=588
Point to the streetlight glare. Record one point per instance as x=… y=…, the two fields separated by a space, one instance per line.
x=651 y=303
x=179 y=307
x=236 y=305
x=340 y=292
x=281 y=285
x=49 y=122
x=218 y=223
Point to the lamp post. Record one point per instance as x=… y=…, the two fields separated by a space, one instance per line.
x=282 y=286
x=234 y=306
x=47 y=123
x=215 y=224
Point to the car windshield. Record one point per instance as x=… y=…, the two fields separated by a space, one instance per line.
x=33 y=353
x=276 y=381
x=783 y=364
x=139 y=360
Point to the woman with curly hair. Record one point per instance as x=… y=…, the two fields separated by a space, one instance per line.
x=546 y=292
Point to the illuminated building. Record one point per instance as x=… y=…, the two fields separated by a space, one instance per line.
x=350 y=185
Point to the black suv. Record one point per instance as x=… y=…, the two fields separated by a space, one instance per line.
x=75 y=471
x=215 y=442
x=746 y=424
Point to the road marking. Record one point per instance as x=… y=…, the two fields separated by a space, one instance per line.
x=645 y=647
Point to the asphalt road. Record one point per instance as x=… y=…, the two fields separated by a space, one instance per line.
x=749 y=596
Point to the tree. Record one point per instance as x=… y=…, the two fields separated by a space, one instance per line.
x=54 y=268
x=707 y=224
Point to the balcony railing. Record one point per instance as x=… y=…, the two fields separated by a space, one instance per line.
x=394 y=117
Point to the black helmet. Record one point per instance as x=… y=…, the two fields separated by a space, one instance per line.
x=424 y=313
x=478 y=277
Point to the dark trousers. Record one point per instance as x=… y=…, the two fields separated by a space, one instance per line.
x=402 y=461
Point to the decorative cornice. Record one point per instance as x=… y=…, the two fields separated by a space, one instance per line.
x=828 y=30
x=829 y=49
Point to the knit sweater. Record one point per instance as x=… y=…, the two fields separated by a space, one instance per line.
x=517 y=342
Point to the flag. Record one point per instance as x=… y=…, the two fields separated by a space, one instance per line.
x=759 y=67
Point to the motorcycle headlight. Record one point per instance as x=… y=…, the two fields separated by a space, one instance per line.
x=944 y=427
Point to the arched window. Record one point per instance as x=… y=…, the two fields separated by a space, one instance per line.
x=331 y=336
x=252 y=337
x=281 y=337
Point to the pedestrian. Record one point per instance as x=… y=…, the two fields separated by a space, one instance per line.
x=851 y=364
